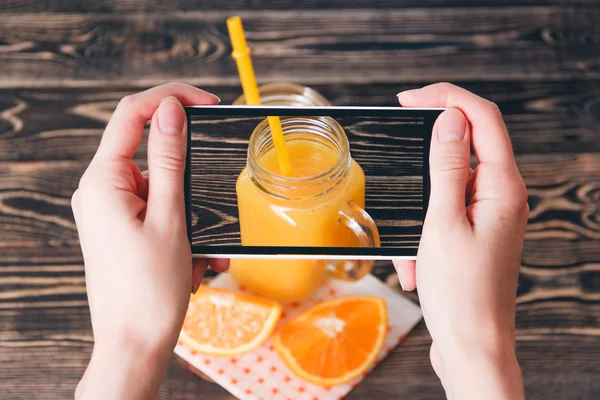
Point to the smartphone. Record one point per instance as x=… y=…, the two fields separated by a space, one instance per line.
x=356 y=186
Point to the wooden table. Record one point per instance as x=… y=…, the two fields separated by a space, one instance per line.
x=65 y=64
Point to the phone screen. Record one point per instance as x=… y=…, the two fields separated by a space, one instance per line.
x=348 y=182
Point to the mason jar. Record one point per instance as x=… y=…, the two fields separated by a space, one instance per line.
x=322 y=207
x=287 y=94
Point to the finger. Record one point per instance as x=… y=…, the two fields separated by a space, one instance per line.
x=167 y=146
x=490 y=139
x=125 y=129
x=77 y=216
x=199 y=266
x=146 y=178
x=470 y=186
x=436 y=363
x=406 y=270
x=219 y=264
x=141 y=184
x=449 y=160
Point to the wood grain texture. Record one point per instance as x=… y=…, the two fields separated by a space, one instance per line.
x=562 y=236
x=59 y=340
x=115 y=6
x=385 y=46
x=64 y=64
x=564 y=200
x=66 y=124
x=50 y=135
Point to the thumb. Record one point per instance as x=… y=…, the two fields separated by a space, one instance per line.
x=167 y=147
x=449 y=162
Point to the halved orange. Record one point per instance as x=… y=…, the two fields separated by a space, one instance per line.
x=225 y=323
x=335 y=341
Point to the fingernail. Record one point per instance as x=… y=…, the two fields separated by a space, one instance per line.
x=451 y=126
x=405 y=95
x=171 y=117
x=406 y=92
x=401 y=277
x=218 y=98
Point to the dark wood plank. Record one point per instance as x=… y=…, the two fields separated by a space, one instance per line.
x=64 y=64
x=59 y=340
x=44 y=310
x=35 y=296
x=554 y=366
x=562 y=235
x=66 y=124
x=560 y=366
x=48 y=136
x=115 y=6
x=407 y=45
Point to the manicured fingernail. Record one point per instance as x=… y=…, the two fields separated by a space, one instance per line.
x=405 y=95
x=406 y=92
x=171 y=118
x=401 y=277
x=451 y=126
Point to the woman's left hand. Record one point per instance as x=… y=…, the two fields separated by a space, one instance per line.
x=138 y=262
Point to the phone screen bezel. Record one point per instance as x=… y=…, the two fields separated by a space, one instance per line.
x=429 y=115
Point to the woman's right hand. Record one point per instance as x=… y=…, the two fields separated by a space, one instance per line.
x=469 y=255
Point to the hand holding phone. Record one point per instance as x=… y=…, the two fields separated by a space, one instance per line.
x=138 y=264
x=113 y=200
x=469 y=257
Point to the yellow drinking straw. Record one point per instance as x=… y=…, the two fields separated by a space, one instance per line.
x=241 y=54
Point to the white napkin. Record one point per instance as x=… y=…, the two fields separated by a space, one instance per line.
x=261 y=374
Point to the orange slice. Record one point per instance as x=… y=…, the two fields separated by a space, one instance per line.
x=335 y=341
x=225 y=323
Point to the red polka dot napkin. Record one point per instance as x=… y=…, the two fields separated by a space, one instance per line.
x=261 y=375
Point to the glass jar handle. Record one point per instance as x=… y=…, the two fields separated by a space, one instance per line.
x=366 y=231
x=361 y=224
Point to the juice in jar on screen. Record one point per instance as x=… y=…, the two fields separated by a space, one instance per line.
x=317 y=205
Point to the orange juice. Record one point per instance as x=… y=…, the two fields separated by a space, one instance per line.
x=326 y=185
x=312 y=207
x=266 y=220
x=287 y=280
x=307 y=221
